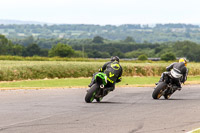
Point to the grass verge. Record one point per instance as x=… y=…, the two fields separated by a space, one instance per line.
x=83 y=82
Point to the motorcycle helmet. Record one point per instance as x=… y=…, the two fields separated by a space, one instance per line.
x=115 y=58
x=183 y=60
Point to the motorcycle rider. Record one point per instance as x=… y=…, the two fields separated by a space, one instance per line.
x=113 y=70
x=179 y=72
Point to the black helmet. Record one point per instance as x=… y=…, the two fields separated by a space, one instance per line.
x=115 y=58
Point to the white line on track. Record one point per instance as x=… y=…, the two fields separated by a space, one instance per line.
x=195 y=131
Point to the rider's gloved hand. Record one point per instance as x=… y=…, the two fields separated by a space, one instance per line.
x=118 y=80
x=100 y=70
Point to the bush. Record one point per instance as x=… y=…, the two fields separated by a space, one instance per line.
x=61 y=50
x=142 y=57
x=168 y=57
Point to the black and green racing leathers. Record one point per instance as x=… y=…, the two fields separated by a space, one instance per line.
x=113 y=70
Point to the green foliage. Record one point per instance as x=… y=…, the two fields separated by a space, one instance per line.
x=159 y=33
x=129 y=39
x=61 y=50
x=80 y=54
x=31 y=50
x=120 y=49
x=43 y=47
x=168 y=57
x=97 y=39
x=18 y=49
x=39 y=58
x=142 y=57
x=97 y=54
x=3 y=39
x=187 y=49
x=69 y=82
x=5 y=45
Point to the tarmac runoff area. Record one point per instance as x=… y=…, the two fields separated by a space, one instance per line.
x=126 y=110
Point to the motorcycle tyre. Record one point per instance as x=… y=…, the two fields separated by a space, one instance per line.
x=90 y=96
x=158 y=90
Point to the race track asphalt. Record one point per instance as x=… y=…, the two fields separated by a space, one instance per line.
x=126 y=110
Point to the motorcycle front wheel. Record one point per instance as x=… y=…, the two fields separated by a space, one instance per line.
x=90 y=96
x=158 y=92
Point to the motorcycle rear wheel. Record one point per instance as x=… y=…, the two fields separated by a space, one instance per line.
x=167 y=96
x=99 y=99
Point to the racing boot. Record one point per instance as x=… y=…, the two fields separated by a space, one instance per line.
x=107 y=90
x=161 y=79
x=179 y=87
x=92 y=81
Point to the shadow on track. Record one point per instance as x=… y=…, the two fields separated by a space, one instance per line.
x=173 y=99
x=107 y=102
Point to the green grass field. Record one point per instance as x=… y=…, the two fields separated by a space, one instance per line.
x=83 y=82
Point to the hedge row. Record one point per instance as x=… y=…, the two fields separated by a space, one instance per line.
x=23 y=70
x=39 y=58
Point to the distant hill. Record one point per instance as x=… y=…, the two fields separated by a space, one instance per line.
x=14 y=29
x=8 y=22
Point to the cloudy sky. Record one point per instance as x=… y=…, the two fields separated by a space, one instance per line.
x=102 y=12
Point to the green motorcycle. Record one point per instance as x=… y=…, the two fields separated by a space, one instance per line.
x=96 y=91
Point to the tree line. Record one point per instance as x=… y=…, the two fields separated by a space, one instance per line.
x=98 y=47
